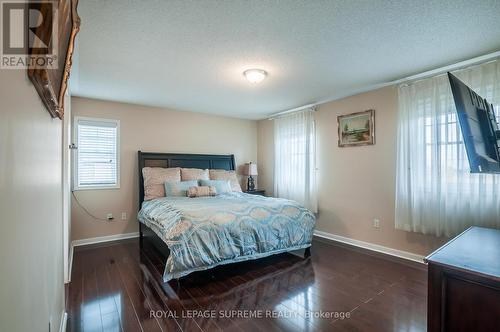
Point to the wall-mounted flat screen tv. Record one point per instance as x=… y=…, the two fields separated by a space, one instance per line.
x=479 y=128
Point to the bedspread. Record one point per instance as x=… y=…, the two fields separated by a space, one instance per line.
x=204 y=232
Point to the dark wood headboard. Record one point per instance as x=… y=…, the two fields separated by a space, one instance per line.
x=204 y=161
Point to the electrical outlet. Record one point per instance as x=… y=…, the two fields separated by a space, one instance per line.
x=124 y=215
x=109 y=216
x=376 y=223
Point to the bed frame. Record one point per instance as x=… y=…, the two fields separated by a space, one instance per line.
x=204 y=161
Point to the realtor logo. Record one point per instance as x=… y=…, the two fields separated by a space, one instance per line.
x=28 y=34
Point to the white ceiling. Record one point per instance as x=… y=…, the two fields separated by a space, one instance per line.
x=190 y=55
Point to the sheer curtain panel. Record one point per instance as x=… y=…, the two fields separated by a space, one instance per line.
x=295 y=156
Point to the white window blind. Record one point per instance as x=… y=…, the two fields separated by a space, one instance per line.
x=97 y=154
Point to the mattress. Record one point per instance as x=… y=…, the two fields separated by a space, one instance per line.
x=204 y=232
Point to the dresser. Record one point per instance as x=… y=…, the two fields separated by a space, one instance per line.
x=464 y=283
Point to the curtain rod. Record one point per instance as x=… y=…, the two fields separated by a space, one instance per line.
x=293 y=110
x=433 y=72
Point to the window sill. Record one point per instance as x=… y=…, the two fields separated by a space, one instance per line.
x=96 y=188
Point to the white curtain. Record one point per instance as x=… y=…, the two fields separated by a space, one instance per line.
x=435 y=192
x=295 y=156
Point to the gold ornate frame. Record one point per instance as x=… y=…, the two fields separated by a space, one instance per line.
x=371 y=113
x=51 y=84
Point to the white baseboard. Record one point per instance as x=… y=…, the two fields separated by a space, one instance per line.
x=64 y=320
x=101 y=239
x=370 y=246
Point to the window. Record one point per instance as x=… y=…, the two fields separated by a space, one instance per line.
x=445 y=149
x=295 y=155
x=97 y=155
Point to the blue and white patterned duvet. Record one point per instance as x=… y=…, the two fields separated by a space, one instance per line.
x=208 y=231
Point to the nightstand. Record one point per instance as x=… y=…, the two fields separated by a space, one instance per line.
x=260 y=192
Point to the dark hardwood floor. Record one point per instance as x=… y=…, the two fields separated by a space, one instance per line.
x=116 y=287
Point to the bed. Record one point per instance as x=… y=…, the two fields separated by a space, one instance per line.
x=195 y=234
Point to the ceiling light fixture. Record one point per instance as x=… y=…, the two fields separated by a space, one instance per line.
x=255 y=75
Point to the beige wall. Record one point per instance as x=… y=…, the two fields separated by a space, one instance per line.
x=265 y=155
x=155 y=130
x=31 y=280
x=344 y=208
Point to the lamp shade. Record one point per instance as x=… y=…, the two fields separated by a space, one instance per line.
x=250 y=169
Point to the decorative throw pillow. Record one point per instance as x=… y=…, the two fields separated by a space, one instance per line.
x=221 y=174
x=222 y=186
x=188 y=174
x=179 y=188
x=155 y=177
x=201 y=191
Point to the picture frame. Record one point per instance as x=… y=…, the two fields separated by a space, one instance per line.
x=51 y=83
x=356 y=129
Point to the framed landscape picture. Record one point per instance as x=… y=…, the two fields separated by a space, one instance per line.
x=356 y=129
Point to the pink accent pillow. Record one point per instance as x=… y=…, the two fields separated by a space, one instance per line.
x=221 y=174
x=154 y=179
x=201 y=191
x=188 y=174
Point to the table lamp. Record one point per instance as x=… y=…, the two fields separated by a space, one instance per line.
x=249 y=170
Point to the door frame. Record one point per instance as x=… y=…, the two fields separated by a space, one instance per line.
x=66 y=188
